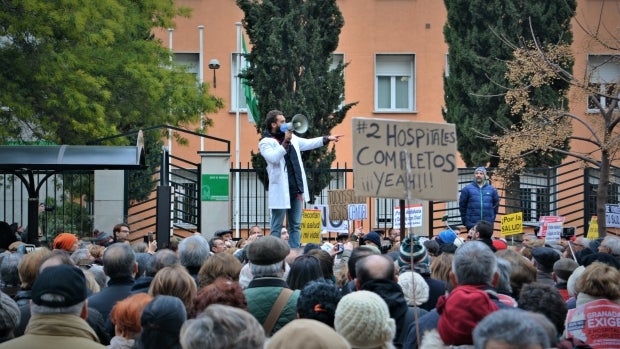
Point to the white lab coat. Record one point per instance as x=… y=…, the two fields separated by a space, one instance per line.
x=273 y=152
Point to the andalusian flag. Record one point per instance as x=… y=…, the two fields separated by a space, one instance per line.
x=250 y=97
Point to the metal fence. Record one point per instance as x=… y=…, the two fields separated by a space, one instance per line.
x=568 y=190
x=66 y=198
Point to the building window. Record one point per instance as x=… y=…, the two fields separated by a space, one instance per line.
x=186 y=204
x=603 y=73
x=534 y=203
x=394 y=83
x=189 y=60
x=337 y=58
x=236 y=86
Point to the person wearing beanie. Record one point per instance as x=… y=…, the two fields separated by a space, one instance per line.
x=363 y=319
x=478 y=200
x=67 y=242
x=372 y=239
x=59 y=309
x=161 y=322
x=307 y=334
x=414 y=288
x=474 y=275
x=421 y=260
x=375 y=273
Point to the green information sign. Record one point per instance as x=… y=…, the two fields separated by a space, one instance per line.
x=214 y=187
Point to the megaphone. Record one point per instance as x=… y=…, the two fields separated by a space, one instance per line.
x=299 y=124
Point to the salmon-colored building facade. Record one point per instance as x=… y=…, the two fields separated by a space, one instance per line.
x=375 y=32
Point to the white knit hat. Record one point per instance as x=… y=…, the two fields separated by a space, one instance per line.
x=413 y=284
x=363 y=319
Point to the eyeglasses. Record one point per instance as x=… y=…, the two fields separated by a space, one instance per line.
x=125 y=231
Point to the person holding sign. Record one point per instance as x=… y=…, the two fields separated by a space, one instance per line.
x=288 y=188
x=479 y=200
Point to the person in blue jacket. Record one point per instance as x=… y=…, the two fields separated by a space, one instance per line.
x=479 y=200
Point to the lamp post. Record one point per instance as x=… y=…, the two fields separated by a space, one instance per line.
x=214 y=64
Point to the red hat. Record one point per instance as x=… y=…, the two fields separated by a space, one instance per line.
x=64 y=241
x=500 y=244
x=460 y=312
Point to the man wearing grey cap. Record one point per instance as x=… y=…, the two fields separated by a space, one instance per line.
x=269 y=299
x=59 y=308
x=479 y=200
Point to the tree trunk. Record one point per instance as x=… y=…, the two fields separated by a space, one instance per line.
x=601 y=193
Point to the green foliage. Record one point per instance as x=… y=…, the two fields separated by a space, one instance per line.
x=289 y=71
x=70 y=217
x=73 y=71
x=479 y=34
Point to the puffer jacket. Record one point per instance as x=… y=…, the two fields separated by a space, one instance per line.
x=478 y=204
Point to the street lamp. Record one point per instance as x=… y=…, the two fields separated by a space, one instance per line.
x=214 y=64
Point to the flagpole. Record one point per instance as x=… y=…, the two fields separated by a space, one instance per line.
x=238 y=132
x=201 y=79
x=170 y=31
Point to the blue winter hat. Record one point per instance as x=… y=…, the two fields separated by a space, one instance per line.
x=446 y=237
x=481 y=169
x=373 y=237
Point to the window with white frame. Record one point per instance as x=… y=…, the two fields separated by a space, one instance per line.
x=337 y=58
x=236 y=86
x=604 y=77
x=189 y=60
x=394 y=83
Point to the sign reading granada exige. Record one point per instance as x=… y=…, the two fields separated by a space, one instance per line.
x=392 y=157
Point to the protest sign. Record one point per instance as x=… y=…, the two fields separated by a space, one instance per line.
x=551 y=228
x=593 y=228
x=413 y=216
x=311 y=226
x=339 y=201
x=612 y=215
x=512 y=223
x=337 y=226
x=404 y=159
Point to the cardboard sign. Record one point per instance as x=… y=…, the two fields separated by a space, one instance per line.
x=404 y=159
x=512 y=223
x=339 y=201
x=413 y=216
x=612 y=215
x=311 y=226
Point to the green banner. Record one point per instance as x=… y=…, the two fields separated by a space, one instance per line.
x=214 y=187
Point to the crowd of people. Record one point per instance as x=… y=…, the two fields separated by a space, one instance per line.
x=367 y=290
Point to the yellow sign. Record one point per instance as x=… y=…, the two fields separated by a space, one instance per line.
x=311 y=226
x=512 y=224
x=593 y=229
